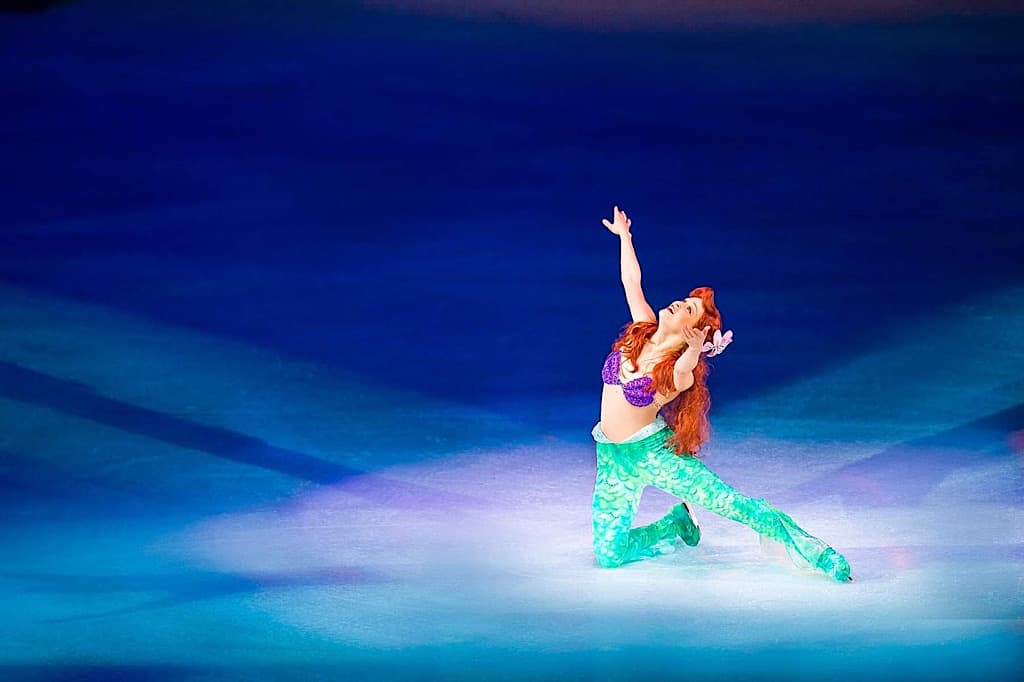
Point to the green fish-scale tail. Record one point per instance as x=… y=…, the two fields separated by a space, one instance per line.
x=625 y=469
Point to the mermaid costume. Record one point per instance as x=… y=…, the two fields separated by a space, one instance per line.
x=646 y=458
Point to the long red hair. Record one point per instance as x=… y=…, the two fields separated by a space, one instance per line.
x=688 y=413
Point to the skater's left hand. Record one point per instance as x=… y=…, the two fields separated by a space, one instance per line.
x=695 y=337
x=688 y=360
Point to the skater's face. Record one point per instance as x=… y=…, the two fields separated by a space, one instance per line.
x=683 y=313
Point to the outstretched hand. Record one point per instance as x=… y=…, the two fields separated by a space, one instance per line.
x=695 y=337
x=621 y=225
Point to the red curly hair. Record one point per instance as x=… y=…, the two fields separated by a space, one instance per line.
x=687 y=414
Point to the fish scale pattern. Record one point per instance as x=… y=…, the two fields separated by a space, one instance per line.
x=625 y=469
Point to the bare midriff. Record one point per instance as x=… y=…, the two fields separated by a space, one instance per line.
x=619 y=419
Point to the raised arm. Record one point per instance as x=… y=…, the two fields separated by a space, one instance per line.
x=630 y=268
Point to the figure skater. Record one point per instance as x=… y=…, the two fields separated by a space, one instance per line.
x=654 y=419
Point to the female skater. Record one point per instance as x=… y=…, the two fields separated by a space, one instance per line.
x=656 y=369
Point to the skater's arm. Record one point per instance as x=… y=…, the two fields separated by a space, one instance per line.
x=639 y=308
x=683 y=379
x=683 y=369
x=629 y=268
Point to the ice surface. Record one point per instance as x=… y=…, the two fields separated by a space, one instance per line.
x=301 y=322
x=471 y=556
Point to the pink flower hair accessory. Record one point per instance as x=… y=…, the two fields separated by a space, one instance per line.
x=718 y=343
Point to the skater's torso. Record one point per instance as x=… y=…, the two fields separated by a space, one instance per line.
x=622 y=410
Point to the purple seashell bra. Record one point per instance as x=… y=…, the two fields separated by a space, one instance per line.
x=636 y=391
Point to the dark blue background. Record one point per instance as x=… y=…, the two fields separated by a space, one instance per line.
x=418 y=200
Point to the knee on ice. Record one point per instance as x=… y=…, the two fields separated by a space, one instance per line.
x=607 y=557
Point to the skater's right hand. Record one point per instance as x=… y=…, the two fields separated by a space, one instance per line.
x=621 y=225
